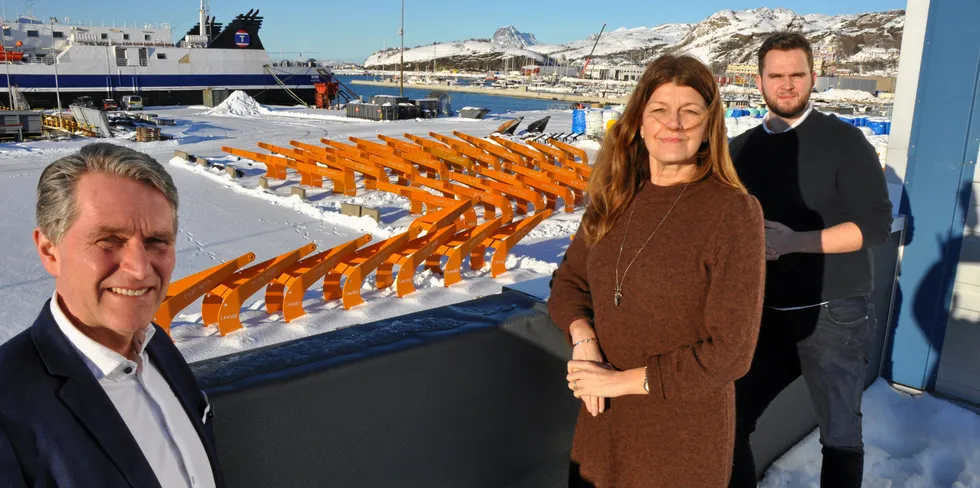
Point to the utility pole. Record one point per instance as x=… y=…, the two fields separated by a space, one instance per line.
x=6 y=55
x=401 y=32
x=57 y=88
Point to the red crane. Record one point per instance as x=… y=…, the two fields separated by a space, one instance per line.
x=589 y=59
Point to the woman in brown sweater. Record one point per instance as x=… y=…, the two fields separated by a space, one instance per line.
x=661 y=291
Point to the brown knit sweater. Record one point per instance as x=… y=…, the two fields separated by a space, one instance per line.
x=690 y=313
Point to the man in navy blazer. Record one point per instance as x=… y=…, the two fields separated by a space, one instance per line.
x=94 y=394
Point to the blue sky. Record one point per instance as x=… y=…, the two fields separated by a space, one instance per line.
x=351 y=30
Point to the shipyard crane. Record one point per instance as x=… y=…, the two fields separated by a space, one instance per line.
x=589 y=59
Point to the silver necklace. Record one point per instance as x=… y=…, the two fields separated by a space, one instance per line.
x=619 y=284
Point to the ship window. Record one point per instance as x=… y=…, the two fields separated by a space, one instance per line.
x=32 y=33
x=125 y=37
x=104 y=36
x=6 y=31
x=161 y=55
x=58 y=35
x=146 y=37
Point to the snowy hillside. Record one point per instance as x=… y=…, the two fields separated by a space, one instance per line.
x=472 y=54
x=863 y=42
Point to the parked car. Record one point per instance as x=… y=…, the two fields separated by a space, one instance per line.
x=109 y=104
x=86 y=102
x=132 y=102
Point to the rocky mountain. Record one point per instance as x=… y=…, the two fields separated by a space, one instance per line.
x=511 y=37
x=867 y=42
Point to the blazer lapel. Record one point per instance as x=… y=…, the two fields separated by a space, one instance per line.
x=86 y=399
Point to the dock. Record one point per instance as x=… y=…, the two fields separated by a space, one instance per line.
x=518 y=93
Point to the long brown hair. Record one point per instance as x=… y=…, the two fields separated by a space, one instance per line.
x=622 y=165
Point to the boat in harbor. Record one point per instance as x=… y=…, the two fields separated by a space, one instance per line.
x=72 y=60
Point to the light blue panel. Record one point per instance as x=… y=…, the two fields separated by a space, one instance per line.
x=942 y=156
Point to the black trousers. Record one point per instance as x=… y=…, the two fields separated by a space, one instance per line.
x=828 y=346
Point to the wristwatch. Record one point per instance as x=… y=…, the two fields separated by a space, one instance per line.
x=646 y=381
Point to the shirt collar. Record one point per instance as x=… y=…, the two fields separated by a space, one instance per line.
x=101 y=361
x=765 y=121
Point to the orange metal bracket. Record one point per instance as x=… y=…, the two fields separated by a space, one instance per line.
x=416 y=154
x=531 y=154
x=468 y=150
x=313 y=174
x=185 y=291
x=522 y=195
x=469 y=242
x=570 y=150
x=494 y=149
x=357 y=267
x=447 y=215
x=223 y=304
x=275 y=167
x=551 y=198
x=301 y=277
x=490 y=199
x=448 y=155
x=507 y=237
x=405 y=171
x=555 y=155
x=371 y=171
x=409 y=258
x=542 y=181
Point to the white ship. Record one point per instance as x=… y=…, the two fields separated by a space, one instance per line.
x=59 y=58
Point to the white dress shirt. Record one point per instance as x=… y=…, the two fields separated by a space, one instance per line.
x=147 y=405
x=765 y=121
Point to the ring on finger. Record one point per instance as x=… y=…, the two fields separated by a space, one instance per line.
x=575 y=385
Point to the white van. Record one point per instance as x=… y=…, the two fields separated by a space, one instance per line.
x=132 y=102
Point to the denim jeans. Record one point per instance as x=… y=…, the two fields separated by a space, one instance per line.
x=828 y=345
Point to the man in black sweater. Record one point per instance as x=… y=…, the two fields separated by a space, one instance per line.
x=824 y=198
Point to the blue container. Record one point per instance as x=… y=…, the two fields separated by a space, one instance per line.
x=876 y=126
x=730 y=112
x=888 y=127
x=849 y=120
x=578 y=121
x=861 y=121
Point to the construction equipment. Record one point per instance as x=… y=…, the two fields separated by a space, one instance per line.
x=589 y=59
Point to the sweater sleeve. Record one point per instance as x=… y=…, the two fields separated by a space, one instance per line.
x=571 y=298
x=732 y=312
x=862 y=189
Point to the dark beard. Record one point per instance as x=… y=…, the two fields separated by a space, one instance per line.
x=791 y=114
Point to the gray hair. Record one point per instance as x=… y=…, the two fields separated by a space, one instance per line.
x=57 y=206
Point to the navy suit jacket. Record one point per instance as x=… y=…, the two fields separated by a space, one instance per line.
x=59 y=428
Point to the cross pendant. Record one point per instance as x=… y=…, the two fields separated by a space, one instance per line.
x=619 y=295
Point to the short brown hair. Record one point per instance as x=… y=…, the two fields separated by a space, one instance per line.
x=785 y=41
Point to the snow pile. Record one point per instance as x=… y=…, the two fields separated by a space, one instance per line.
x=880 y=144
x=910 y=442
x=239 y=103
x=589 y=147
x=839 y=94
x=739 y=90
x=738 y=125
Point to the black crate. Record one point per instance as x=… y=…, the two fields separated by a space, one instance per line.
x=408 y=111
x=392 y=99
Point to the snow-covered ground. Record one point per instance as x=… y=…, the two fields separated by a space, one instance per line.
x=221 y=218
x=910 y=442
x=913 y=442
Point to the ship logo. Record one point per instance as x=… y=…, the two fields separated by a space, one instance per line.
x=242 y=39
